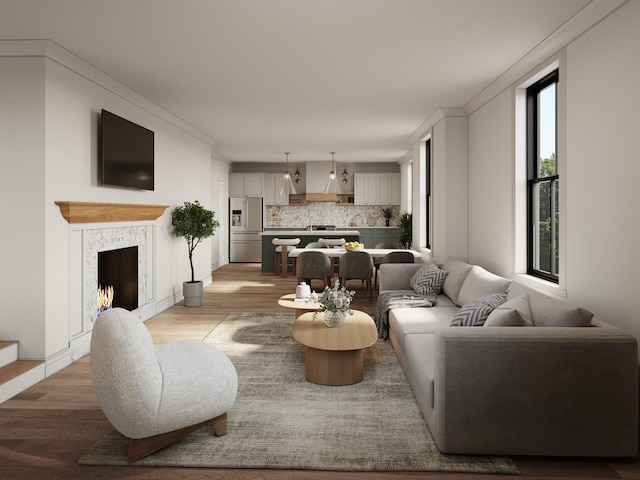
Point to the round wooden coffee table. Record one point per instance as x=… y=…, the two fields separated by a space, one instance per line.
x=335 y=356
x=301 y=306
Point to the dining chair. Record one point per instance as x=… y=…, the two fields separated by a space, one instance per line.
x=392 y=257
x=385 y=245
x=313 y=265
x=356 y=265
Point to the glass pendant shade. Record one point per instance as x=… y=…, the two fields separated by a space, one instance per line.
x=332 y=183
x=286 y=186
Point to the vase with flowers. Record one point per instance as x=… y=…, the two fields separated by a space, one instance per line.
x=335 y=303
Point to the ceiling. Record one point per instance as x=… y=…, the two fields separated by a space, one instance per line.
x=262 y=77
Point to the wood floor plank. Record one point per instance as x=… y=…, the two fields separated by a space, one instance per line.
x=45 y=430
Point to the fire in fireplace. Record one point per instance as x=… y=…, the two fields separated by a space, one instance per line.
x=118 y=278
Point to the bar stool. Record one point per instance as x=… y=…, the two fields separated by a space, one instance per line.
x=332 y=242
x=281 y=256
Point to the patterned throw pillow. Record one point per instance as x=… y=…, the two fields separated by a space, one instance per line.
x=428 y=279
x=475 y=313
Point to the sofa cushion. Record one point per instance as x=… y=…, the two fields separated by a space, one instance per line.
x=512 y=313
x=480 y=282
x=407 y=321
x=475 y=313
x=547 y=311
x=458 y=271
x=428 y=279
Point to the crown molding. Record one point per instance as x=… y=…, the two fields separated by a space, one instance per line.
x=587 y=17
x=58 y=54
x=435 y=117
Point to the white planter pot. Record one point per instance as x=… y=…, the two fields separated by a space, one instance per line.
x=192 y=292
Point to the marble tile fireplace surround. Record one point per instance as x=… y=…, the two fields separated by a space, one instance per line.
x=99 y=227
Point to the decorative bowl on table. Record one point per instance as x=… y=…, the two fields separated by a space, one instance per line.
x=354 y=246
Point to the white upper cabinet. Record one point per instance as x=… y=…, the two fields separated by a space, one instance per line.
x=376 y=188
x=272 y=195
x=246 y=184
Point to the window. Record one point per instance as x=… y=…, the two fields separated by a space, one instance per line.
x=543 y=181
x=425 y=153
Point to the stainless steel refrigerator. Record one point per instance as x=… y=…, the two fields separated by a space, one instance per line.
x=245 y=243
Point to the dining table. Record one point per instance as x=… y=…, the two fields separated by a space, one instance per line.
x=339 y=251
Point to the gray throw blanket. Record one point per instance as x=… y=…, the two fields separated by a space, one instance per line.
x=399 y=299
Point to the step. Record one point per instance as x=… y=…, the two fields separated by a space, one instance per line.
x=17 y=375
x=8 y=353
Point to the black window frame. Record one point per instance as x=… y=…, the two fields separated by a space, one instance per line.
x=427 y=178
x=534 y=179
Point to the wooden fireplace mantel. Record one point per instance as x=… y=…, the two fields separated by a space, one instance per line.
x=95 y=212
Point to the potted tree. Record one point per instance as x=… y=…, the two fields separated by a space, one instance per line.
x=405 y=230
x=195 y=223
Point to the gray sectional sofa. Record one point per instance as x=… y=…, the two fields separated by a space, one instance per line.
x=554 y=382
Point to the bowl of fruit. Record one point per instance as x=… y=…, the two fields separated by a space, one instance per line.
x=354 y=246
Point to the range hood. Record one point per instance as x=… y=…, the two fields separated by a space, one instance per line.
x=317 y=176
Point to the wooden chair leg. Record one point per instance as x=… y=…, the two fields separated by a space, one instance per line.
x=142 y=447
x=219 y=425
x=285 y=261
x=277 y=263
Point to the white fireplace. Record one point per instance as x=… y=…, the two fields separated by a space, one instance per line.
x=87 y=237
x=86 y=241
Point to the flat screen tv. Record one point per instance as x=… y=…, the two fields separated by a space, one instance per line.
x=126 y=153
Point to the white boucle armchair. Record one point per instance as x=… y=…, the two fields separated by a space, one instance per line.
x=155 y=395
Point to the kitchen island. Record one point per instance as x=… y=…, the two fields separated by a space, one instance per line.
x=305 y=236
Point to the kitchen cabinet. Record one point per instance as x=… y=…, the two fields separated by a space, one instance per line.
x=272 y=195
x=246 y=184
x=376 y=188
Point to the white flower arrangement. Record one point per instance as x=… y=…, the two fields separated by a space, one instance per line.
x=336 y=299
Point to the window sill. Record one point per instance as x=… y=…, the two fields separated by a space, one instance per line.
x=540 y=284
x=427 y=255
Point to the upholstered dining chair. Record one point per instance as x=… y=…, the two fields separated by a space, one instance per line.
x=155 y=395
x=392 y=257
x=316 y=245
x=313 y=265
x=356 y=265
x=376 y=261
x=331 y=243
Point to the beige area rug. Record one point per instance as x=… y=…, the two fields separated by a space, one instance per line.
x=281 y=421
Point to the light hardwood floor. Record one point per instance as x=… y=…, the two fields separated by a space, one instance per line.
x=45 y=430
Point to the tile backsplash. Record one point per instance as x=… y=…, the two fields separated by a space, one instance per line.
x=329 y=213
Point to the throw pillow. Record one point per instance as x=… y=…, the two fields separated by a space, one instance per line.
x=475 y=313
x=513 y=313
x=428 y=279
x=458 y=271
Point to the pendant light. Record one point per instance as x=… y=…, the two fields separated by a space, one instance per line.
x=332 y=183
x=286 y=186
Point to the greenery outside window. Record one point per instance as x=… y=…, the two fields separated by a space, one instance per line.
x=543 y=179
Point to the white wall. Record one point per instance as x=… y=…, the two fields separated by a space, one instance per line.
x=603 y=148
x=449 y=188
x=22 y=192
x=490 y=188
x=49 y=117
x=602 y=170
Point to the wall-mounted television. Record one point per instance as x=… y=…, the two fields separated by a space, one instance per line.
x=126 y=153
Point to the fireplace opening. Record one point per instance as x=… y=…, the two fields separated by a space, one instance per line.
x=118 y=270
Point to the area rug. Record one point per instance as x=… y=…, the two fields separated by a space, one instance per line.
x=281 y=421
